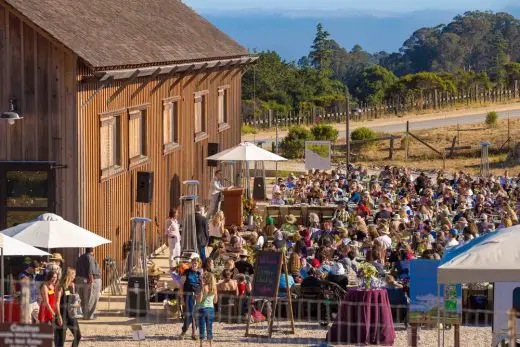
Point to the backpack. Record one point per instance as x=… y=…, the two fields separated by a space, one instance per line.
x=73 y=305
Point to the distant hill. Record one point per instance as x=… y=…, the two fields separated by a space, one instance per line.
x=291 y=34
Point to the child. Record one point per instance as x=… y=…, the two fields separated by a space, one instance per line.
x=191 y=289
x=207 y=299
x=243 y=286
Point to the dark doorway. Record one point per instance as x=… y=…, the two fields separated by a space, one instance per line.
x=27 y=190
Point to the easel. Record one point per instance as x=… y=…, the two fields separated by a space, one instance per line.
x=273 y=312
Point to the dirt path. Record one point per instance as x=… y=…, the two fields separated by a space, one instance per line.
x=467 y=116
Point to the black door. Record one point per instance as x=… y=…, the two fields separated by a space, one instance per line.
x=27 y=190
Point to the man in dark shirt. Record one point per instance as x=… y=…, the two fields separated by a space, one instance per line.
x=201 y=229
x=88 y=279
x=243 y=265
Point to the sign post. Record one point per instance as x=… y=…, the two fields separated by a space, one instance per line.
x=268 y=268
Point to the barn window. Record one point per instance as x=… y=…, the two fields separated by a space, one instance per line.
x=110 y=144
x=137 y=146
x=201 y=111
x=223 y=107
x=171 y=110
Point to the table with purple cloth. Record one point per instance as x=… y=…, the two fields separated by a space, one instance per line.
x=365 y=317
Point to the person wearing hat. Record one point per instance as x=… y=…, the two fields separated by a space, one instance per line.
x=279 y=240
x=55 y=263
x=269 y=228
x=243 y=265
x=452 y=238
x=277 y=198
x=341 y=214
x=289 y=226
x=338 y=275
x=384 y=237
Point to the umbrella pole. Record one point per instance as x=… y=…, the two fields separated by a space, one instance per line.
x=2 y=318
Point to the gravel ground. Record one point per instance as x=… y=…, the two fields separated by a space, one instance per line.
x=118 y=333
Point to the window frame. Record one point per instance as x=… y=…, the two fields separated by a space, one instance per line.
x=139 y=112
x=223 y=91
x=174 y=144
x=112 y=119
x=203 y=96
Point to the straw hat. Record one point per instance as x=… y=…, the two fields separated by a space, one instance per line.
x=56 y=256
x=244 y=253
x=383 y=229
x=291 y=219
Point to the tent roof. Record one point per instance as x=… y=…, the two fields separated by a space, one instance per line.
x=13 y=247
x=52 y=231
x=246 y=151
x=496 y=258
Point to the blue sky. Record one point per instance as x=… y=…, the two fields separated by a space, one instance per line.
x=355 y=5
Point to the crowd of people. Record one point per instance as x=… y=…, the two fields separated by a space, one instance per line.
x=60 y=296
x=382 y=219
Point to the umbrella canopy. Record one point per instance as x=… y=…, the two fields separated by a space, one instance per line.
x=52 y=231
x=246 y=151
x=496 y=258
x=13 y=247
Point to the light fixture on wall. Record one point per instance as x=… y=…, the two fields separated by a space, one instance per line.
x=11 y=116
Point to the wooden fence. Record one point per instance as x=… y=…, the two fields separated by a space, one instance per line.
x=262 y=118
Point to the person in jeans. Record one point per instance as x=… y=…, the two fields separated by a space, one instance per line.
x=207 y=300
x=88 y=280
x=65 y=320
x=191 y=290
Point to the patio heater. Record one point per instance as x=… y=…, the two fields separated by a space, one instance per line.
x=192 y=187
x=188 y=232
x=484 y=159
x=138 y=292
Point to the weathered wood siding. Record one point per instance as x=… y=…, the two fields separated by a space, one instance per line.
x=106 y=206
x=41 y=75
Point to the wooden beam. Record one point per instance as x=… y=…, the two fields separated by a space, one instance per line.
x=222 y=69
x=209 y=73
x=123 y=86
x=163 y=80
x=193 y=77
x=102 y=85
x=145 y=82
x=426 y=144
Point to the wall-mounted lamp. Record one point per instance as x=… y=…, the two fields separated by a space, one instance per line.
x=11 y=116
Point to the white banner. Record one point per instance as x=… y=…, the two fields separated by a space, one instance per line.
x=317 y=155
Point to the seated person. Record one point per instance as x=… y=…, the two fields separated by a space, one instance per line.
x=289 y=227
x=279 y=240
x=282 y=286
x=269 y=228
x=230 y=265
x=312 y=280
x=277 y=198
x=338 y=275
x=341 y=214
x=243 y=265
x=234 y=246
x=228 y=284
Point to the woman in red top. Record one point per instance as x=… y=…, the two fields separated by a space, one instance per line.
x=48 y=294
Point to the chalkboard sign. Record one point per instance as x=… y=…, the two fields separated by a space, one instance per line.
x=267 y=274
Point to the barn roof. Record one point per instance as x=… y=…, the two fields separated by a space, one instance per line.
x=110 y=33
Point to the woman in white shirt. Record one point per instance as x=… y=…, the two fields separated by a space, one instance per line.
x=216 y=227
x=174 y=237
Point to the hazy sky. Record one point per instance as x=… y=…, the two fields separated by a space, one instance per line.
x=366 y=5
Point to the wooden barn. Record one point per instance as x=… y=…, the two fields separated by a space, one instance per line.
x=106 y=89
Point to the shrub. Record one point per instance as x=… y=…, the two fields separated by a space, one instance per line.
x=324 y=132
x=248 y=129
x=491 y=119
x=363 y=134
x=293 y=145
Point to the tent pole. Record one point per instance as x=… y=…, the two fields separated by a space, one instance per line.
x=438 y=315
x=2 y=318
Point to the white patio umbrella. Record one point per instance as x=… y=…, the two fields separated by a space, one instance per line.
x=246 y=151
x=52 y=231
x=12 y=247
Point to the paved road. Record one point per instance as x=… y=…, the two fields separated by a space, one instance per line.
x=442 y=122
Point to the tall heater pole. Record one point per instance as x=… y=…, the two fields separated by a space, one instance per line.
x=348 y=130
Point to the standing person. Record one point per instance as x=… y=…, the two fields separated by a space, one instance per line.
x=191 y=290
x=65 y=318
x=89 y=283
x=207 y=300
x=28 y=276
x=201 y=229
x=172 y=231
x=216 y=227
x=47 y=312
x=215 y=193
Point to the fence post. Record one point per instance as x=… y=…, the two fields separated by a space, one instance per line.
x=516 y=89
x=270 y=118
x=391 y=149
x=406 y=139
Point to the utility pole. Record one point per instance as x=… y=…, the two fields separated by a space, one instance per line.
x=348 y=130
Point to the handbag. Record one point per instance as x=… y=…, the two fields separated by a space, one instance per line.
x=256 y=315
